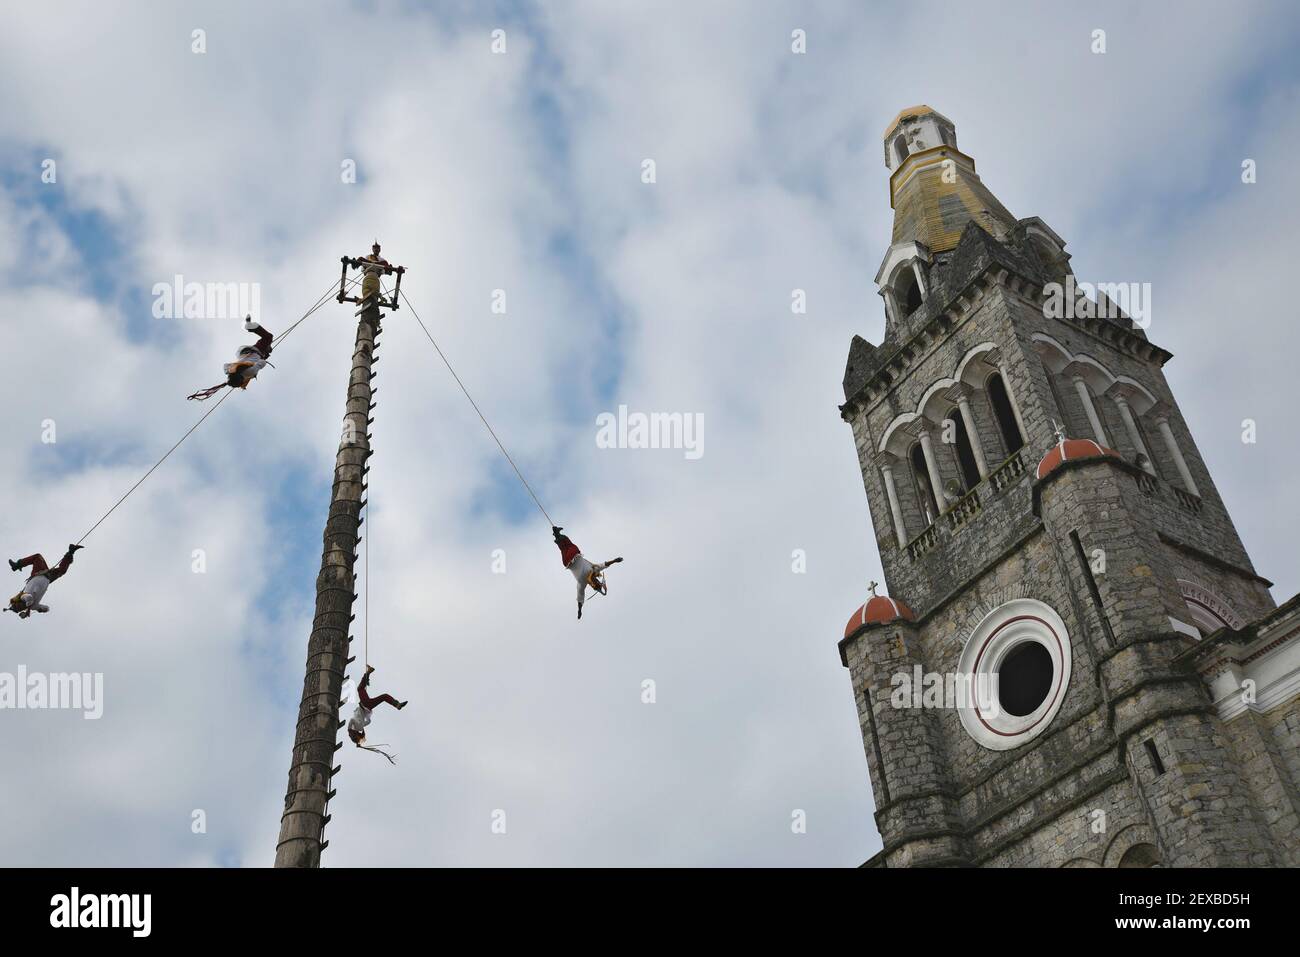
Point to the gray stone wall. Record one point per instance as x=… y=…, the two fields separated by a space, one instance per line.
x=1212 y=526
x=1248 y=596
x=1104 y=824
x=906 y=754
x=1001 y=799
x=1087 y=790
x=1268 y=747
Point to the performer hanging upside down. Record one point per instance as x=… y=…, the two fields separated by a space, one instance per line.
x=583 y=570
x=249 y=361
x=361 y=716
x=29 y=599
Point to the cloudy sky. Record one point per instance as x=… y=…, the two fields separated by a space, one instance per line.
x=522 y=171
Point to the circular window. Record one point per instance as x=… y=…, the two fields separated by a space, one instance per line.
x=1017 y=666
x=1025 y=678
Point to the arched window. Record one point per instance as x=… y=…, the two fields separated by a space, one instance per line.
x=1209 y=611
x=1140 y=855
x=1003 y=412
x=1052 y=258
x=970 y=473
x=925 y=495
x=900 y=147
x=1204 y=617
x=907 y=290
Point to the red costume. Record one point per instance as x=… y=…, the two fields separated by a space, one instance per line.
x=568 y=550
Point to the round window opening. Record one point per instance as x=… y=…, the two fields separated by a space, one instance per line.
x=1016 y=667
x=1024 y=678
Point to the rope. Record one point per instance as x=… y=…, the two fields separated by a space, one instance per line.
x=366 y=571
x=320 y=302
x=371 y=516
x=478 y=410
x=156 y=464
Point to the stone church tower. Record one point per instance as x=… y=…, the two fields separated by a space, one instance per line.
x=1078 y=665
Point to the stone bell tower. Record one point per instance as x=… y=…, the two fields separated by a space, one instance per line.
x=1077 y=664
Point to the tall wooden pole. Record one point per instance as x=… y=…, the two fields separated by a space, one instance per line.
x=315 y=743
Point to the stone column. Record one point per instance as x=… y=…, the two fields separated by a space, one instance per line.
x=1130 y=424
x=961 y=395
x=887 y=470
x=1162 y=423
x=1086 y=398
x=919 y=273
x=921 y=429
x=891 y=304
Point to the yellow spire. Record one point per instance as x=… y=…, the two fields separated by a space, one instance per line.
x=933 y=187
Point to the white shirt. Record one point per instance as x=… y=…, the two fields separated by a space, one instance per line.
x=248 y=354
x=581 y=569
x=360 y=718
x=35 y=588
x=33 y=591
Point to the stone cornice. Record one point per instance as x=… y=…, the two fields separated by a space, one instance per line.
x=921 y=159
x=910 y=353
x=1213 y=560
x=915 y=349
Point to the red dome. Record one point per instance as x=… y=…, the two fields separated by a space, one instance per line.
x=878 y=610
x=1067 y=450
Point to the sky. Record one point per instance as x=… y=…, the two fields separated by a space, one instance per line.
x=222 y=157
